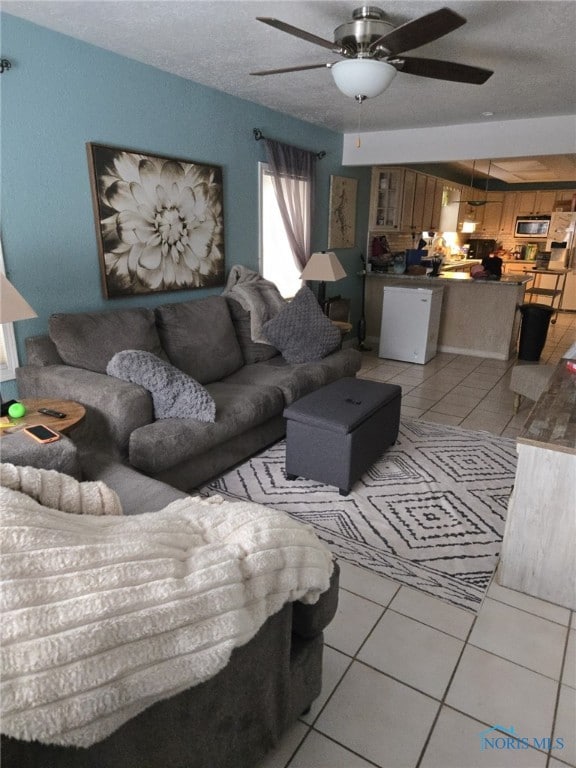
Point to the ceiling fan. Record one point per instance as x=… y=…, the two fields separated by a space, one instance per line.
x=373 y=51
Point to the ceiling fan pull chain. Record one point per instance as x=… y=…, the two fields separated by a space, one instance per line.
x=360 y=100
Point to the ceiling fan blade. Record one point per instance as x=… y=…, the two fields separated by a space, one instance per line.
x=289 y=69
x=420 y=31
x=301 y=33
x=442 y=70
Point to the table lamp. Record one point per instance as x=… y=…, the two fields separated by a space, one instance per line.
x=12 y=307
x=323 y=266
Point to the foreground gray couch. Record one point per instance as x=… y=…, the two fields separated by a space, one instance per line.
x=210 y=340
x=231 y=720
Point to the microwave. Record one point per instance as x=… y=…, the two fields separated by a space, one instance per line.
x=532 y=226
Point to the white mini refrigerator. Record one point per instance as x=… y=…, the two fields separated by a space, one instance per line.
x=410 y=323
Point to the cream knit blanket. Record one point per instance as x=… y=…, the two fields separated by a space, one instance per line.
x=105 y=615
x=59 y=491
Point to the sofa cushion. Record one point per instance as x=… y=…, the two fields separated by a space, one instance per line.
x=239 y=407
x=301 y=331
x=62 y=455
x=90 y=339
x=199 y=338
x=174 y=393
x=252 y=351
x=298 y=379
x=293 y=380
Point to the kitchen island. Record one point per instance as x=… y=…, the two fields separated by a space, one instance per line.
x=478 y=318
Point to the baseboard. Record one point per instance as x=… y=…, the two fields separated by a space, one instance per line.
x=374 y=342
x=474 y=353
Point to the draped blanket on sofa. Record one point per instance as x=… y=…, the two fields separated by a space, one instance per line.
x=105 y=615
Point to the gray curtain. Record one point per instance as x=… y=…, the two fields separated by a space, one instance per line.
x=286 y=163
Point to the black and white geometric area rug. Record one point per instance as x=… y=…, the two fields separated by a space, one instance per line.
x=429 y=514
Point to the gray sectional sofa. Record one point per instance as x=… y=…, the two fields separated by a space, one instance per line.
x=232 y=719
x=210 y=340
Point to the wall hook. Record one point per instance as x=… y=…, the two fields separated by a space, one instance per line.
x=4 y=65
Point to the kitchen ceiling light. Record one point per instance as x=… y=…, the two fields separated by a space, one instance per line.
x=362 y=78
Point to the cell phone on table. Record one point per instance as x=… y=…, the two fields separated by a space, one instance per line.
x=42 y=434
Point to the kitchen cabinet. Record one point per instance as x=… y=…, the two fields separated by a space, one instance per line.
x=404 y=200
x=492 y=213
x=433 y=204
x=518 y=266
x=564 y=199
x=417 y=224
x=470 y=213
x=408 y=192
x=427 y=206
x=536 y=201
x=508 y=215
x=386 y=199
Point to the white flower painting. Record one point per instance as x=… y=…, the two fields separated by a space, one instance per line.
x=159 y=222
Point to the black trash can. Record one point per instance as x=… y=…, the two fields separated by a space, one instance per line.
x=533 y=331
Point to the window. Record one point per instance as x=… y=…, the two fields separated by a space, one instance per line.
x=276 y=261
x=8 y=351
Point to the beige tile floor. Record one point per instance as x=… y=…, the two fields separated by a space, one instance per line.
x=413 y=682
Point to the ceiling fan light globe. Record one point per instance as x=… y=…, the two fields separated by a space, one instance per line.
x=362 y=77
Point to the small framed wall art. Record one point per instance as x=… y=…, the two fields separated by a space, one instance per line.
x=342 y=212
x=159 y=221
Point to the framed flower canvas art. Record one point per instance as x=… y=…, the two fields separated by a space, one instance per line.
x=159 y=221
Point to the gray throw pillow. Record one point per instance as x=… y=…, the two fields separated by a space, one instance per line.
x=90 y=339
x=174 y=394
x=301 y=331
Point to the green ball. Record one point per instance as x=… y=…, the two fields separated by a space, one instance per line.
x=16 y=410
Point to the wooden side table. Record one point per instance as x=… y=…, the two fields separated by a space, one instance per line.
x=75 y=412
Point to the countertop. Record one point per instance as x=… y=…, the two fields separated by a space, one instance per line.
x=552 y=421
x=454 y=264
x=454 y=277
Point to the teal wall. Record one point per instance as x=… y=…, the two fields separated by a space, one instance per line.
x=62 y=93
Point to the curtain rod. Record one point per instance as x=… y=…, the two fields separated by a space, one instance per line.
x=258 y=135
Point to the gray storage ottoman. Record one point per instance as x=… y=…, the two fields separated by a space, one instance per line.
x=335 y=433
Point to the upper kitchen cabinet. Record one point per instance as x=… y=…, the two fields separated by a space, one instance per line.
x=408 y=200
x=535 y=202
x=470 y=213
x=492 y=212
x=419 y=204
x=427 y=207
x=434 y=192
x=386 y=199
x=508 y=217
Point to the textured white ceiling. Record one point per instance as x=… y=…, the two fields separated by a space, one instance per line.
x=529 y=45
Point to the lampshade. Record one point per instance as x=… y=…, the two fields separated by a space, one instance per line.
x=323 y=266
x=12 y=305
x=362 y=77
